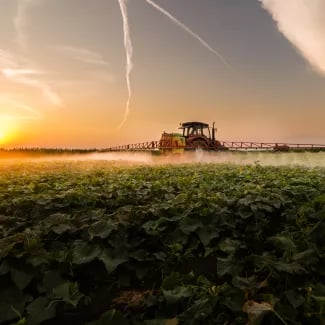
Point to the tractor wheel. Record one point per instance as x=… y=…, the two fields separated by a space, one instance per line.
x=200 y=144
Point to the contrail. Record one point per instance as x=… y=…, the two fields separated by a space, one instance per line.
x=189 y=31
x=129 y=53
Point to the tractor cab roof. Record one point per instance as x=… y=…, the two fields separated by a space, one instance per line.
x=194 y=124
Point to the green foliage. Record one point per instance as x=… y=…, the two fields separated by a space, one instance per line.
x=198 y=244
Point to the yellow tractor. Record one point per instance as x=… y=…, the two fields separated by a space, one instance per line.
x=194 y=136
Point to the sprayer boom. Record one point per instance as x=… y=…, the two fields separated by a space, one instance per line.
x=199 y=135
x=228 y=145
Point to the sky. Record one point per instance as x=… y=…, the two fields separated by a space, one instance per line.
x=85 y=74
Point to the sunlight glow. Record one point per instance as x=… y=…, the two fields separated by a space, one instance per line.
x=7 y=126
x=2 y=137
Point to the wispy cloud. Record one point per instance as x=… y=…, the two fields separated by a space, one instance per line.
x=21 y=21
x=18 y=72
x=26 y=112
x=33 y=113
x=82 y=54
x=16 y=69
x=12 y=73
x=302 y=23
x=7 y=59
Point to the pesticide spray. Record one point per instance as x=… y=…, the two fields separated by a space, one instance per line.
x=292 y=159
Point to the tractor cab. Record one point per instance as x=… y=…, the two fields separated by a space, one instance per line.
x=191 y=129
x=194 y=136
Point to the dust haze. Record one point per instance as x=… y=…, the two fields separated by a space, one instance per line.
x=307 y=159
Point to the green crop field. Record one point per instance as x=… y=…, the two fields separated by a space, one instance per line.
x=96 y=243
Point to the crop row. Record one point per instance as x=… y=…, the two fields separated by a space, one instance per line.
x=197 y=244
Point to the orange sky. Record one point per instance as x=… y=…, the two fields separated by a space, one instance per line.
x=63 y=82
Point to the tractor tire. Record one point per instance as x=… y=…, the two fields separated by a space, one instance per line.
x=200 y=144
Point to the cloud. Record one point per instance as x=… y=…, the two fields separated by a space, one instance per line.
x=11 y=73
x=10 y=101
x=17 y=70
x=81 y=54
x=302 y=23
x=23 y=76
x=33 y=113
x=6 y=59
x=21 y=21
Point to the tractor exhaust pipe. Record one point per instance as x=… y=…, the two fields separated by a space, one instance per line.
x=213 y=132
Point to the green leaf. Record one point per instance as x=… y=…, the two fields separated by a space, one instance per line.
x=51 y=279
x=180 y=199
x=317 y=234
x=319 y=299
x=206 y=234
x=37 y=260
x=56 y=219
x=40 y=310
x=228 y=265
x=84 y=252
x=281 y=266
x=140 y=255
x=271 y=299
x=245 y=283
x=283 y=242
x=245 y=212
x=229 y=245
x=21 y=278
x=161 y=256
x=112 y=259
x=4 y=268
x=102 y=228
x=294 y=298
x=189 y=225
x=177 y=294
x=306 y=257
x=319 y=290
x=12 y=303
x=233 y=299
x=62 y=228
x=171 y=281
x=154 y=227
x=68 y=292
x=291 y=268
x=22 y=321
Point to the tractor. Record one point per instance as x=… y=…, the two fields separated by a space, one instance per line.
x=194 y=136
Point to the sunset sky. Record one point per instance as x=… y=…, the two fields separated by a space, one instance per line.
x=255 y=67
